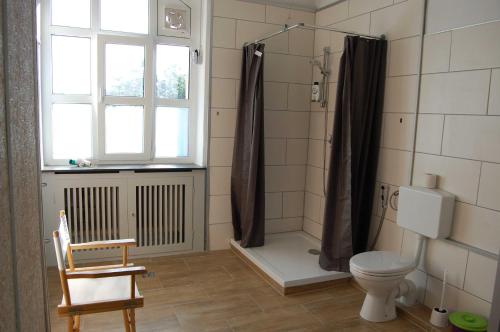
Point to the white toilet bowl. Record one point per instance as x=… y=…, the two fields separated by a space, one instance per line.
x=382 y=275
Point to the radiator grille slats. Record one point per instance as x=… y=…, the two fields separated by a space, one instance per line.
x=93 y=213
x=160 y=214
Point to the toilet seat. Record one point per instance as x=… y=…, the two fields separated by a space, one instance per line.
x=381 y=263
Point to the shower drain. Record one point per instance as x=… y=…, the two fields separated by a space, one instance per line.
x=314 y=251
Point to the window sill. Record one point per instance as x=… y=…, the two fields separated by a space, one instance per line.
x=137 y=168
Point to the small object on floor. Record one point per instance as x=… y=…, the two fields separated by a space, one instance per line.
x=80 y=162
x=465 y=322
x=439 y=316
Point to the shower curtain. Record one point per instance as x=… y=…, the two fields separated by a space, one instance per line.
x=247 y=173
x=354 y=151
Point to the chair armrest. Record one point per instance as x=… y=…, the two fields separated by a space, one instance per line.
x=118 y=272
x=103 y=244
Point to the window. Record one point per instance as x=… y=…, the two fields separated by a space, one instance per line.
x=118 y=81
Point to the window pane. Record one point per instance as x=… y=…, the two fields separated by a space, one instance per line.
x=125 y=15
x=71 y=131
x=70 y=65
x=172 y=71
x=171 y=132
x=124 y=70
x=124 y=129
x=71 y=13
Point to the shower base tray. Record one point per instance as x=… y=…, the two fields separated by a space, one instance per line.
x=289 y=263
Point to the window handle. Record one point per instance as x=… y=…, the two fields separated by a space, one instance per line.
x=101 y=95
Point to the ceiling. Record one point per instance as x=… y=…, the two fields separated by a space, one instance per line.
x=310 y=5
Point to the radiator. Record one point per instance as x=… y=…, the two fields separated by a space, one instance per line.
x=155 y=209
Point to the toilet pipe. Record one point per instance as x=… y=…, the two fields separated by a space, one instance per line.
x=421 y=241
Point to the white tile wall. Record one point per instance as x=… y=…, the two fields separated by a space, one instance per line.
x=221 y=151
x=301 y=42
x=220 y=180
x=455 y=93
x=398 y=131
x=296 y=151
x=357 y=7
x=359 y=24
x=223 y=93
x=401 y=94
x=481 y=276
x=224 y=32
x=240 y=10
x=332 y=14
x=275 y=95
x=394 y=166
x=249 y=31
x=494 y=104
x=404 y=56
x=274 y=205
x=222 y=122
x=429 y=133
x=436 y=56
x=477 y=227
x=226 y=63
x=299 y=96
x=391 y=237
x=219 y=236
x=220 y=209
x=383 y=22
x=275 y=151
x=442 y=256
x=293 y=204
x=489 y=188
x=313 y=228
x=474 y=47
x=472 y=137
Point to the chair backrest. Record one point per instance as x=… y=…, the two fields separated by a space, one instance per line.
x=62 y=241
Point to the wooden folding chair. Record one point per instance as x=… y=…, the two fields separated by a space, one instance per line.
x=95 y=289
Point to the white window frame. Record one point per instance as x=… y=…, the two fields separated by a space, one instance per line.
x=98 y=100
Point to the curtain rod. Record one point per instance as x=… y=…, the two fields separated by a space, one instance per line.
x=312 y=27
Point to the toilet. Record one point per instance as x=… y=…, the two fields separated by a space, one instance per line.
x=424 y=211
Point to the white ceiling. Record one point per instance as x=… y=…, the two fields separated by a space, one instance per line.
x=310 y=5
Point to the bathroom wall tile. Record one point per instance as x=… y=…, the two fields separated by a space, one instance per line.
x=275 y=151
x=332 y=14
x=296 y=151
x=494 y=104
x=455 y=298
x=398 y=21
x=317 y=125
x=472 y=47
x=222 y=122
x=455 y=93
x=277 y=15
x=481 y=275
x=312 y=207
x=321 y=40
x=226 y=63
x=285 y=178
x=391 y=237
x=404 y=56
x=489 y=186
x=398 y=131
x=429 y=133
x=409 y=248
x=442 y=256
x=301 y=42
x=302 y=72
x=334 y=75
x=315 y=154
x=312 y=228
x=332 y=97
x=283 y=225
x=299 y=97
x=419 y=278
x=359 y=24
x=240 y=9
x=224 y=32
x=436 y=56
x=248 y=31
x=337 y=41
x=473 y=137
x=274 y=205
x=221 y=151
x=394 y=166
x=219 y=209
x=223 y=93
x=220 y=180
x=458 y=176
x=275 y=95
x=219 y=236
x=401 y=94
x=300 y=16
x=314 y=180
x=357 y=7
x=286 y=124
x=477 y=227
x=293 y=204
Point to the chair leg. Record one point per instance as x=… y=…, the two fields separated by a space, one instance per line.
x=77 y=323
x=132 y=319
x=70 y=324
x=126 y=320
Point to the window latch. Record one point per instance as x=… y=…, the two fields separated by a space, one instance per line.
x=196 y=56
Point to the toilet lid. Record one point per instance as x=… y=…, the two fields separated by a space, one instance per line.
x=381 y=262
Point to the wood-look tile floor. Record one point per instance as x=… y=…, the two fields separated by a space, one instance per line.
x=216 y=291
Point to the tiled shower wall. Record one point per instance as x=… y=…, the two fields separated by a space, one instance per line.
x=287 y=76
x=458 y=134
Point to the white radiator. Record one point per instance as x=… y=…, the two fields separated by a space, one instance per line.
x=161 y=211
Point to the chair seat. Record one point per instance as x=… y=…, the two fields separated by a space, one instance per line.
x=85 y=291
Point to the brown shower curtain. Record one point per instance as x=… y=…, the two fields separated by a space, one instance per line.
x=354 y=151
x=247 y=173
